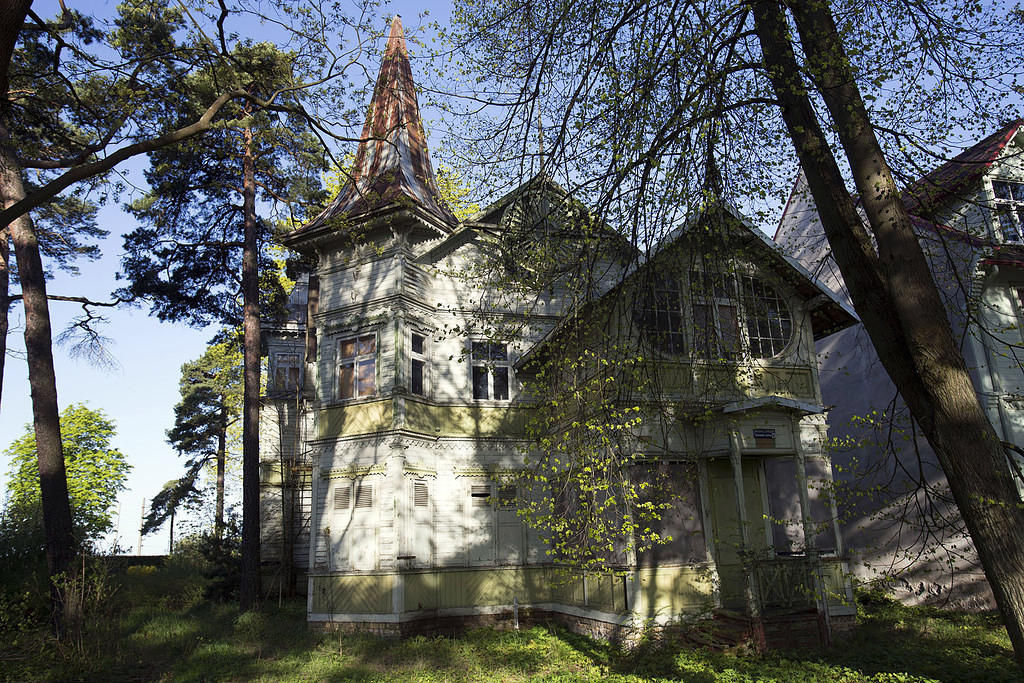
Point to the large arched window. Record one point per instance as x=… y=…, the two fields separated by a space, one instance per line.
x=718 y=316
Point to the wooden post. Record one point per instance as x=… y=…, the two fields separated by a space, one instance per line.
x=736 y=461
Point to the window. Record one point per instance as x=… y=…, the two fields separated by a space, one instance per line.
x=660 y=315
x=418 y=364
x=343 y=496
x=491 y=370
x=1009 y=206
x=716 y=332
x=718 y=303
x=286 y=372
x=364 y=496
x=768 y=323
x=357 y=366
x=507 y=497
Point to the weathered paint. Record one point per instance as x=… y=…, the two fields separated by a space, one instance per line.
x=657 y=592
x=726 y=525
x=354 y=593
x=465 y=420
x=363 y=417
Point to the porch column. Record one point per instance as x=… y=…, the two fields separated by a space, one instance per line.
x=810 y=545
x=736 y=461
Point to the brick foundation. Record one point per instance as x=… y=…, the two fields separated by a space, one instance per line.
x=453 y=625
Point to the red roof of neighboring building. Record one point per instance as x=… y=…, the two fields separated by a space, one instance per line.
x=959 y=171
x=392 y=163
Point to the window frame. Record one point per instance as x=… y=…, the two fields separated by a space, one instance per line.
x=1012 y=207
x=488 y=366
x=726 y=301
x=710 y=298
x=418 y=357
x=355 y=361
x=287 y=387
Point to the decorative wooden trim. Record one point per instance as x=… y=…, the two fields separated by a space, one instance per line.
x=354 y=472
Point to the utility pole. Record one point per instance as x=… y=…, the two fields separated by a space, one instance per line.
x=142 y=517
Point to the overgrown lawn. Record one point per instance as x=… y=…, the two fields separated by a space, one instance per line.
x=158 y=627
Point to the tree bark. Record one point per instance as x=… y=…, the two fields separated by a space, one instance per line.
x=250 y=589
x=57 y=527
x=12 y=16
x=218 y=519
x=894 y=293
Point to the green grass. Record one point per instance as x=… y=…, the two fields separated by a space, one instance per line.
x=158 y=628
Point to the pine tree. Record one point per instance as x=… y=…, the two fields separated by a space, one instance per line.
x=204 y=245
x=211 y=393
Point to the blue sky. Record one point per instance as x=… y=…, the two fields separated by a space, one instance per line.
x=141 y=392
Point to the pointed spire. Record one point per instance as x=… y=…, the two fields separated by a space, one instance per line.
x=392 y=163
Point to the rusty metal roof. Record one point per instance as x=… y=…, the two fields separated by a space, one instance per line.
x=392 y=165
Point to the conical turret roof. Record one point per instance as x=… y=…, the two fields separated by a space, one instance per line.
x=392 y=163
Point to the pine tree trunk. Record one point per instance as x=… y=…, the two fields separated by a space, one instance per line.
x=57 y=528
x=250 y=589
x=911 y=333
x=12 y=16
x=218 y=519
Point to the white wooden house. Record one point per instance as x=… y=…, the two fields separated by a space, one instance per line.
x=900 y=523
x=403 y=384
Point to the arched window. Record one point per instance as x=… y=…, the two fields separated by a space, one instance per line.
x=719 y=316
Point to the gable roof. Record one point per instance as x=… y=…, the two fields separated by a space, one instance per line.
x=392 y=166
x=829 y=314
x=489 y=218
x=960 y=171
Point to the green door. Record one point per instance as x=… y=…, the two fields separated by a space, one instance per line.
x=725 y=525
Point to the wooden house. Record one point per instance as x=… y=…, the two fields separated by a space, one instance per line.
x=407 y=388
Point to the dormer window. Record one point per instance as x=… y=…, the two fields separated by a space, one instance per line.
x=1009 y=208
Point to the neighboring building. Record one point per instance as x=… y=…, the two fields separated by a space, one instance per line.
x=901 y=523
x=397 y=447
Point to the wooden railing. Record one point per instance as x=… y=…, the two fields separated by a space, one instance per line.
x=785 y=582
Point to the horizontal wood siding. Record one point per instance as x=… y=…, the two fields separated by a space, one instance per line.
x=465 y=420
x=363 y=417
x=366 y=594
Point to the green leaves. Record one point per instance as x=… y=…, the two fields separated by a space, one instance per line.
x=96 y=472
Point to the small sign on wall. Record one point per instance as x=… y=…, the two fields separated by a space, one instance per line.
x=764 y=438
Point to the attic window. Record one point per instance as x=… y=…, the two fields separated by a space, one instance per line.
x=1009 y=206
x=660 y=314
x=716 y=332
